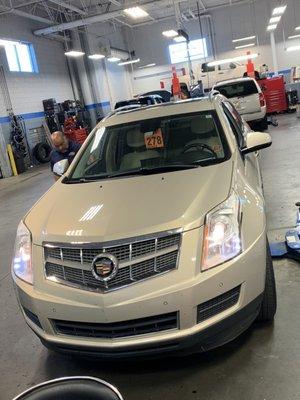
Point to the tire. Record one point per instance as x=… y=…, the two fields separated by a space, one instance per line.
x=269 y=303
x=42 y=152
x=263 y=124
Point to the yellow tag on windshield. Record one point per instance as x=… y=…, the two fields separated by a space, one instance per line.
x=154 y=140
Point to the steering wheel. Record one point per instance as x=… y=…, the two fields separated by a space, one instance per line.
x=199 y=147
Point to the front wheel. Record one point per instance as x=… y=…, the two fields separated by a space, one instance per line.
x=269 y=303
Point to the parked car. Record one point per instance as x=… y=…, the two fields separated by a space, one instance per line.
x=142 y=100
x=164 y=94
x=248 y=98
x=160 y=244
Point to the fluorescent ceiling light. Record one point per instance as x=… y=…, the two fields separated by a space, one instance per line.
x=271 y=27
x=293 y=48
x=243 y=39
x=170 y=34
x=275 y=20
x=233 y=59
x=147 y=65
x=297 y=28
x=96 y=56
x=294 y=37
x=179 y=39
x=113 y=59
x=279 y=10
x=245 y=45
x=136 y=12
x=137 y=60
x=74 y=53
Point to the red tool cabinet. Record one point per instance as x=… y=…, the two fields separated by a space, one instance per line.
x=274 y=92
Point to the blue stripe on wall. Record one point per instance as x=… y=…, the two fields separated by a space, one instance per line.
x=95 y=105
x=40 y=114
x=4 y=120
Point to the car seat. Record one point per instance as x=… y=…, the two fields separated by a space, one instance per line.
x=136 y=142
x=206 y=133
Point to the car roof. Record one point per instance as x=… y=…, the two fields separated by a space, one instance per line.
x=234 y=80
x=161 y=110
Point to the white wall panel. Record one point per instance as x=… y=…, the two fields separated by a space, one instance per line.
x=27 y=90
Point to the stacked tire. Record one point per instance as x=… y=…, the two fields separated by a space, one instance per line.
x=42 y=152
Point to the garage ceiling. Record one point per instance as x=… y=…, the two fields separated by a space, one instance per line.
x=60 y=15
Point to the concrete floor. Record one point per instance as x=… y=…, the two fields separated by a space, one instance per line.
x=264 y=363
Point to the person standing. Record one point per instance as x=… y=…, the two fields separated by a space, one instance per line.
x=63 y=148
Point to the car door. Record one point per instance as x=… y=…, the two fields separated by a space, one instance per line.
x=251 y=160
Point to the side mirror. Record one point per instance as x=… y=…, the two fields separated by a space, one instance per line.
x=256 y=141
x=60 y=167
x=72 y=388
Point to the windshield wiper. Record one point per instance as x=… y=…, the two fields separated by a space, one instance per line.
x=137 y=171
x=84 y=179
x=150 y=170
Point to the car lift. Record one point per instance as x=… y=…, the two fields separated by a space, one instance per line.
x=290 y=248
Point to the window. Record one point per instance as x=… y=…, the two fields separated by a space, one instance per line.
x=235 y=122
x=20 y=56
x=179 y=51
x=237 y=89
x=152 y=145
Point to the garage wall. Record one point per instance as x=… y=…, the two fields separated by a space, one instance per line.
x=27 y=90
x=228 y=23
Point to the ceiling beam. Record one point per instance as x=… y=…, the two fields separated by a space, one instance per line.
x=33 y=17
x=102 y=17
x=116 y=3
x=122 y=22
x=150 y=6
x=68 y=6
x=202 y=5
x=7 y=10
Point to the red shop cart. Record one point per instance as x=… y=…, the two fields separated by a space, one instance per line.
x=274 y=92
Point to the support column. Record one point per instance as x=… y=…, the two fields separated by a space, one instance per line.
x=274 y=53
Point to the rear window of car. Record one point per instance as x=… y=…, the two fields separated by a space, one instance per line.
x=237 y=89
x=124 y=103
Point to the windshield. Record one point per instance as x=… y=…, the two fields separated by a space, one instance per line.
x=124 y=103
x=239 y=89
x=152 y=145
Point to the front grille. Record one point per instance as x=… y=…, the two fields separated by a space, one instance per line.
x=118 y=329
x=218 y=304
x=138 y=260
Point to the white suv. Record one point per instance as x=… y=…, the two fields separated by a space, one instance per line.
x=247 y=97
x=154 y=240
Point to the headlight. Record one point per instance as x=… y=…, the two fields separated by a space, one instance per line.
x=21 y=264
x=222 y=239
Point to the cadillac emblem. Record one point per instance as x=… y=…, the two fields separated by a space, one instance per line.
x=104 y=267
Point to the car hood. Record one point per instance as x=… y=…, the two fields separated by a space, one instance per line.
x=127 y=207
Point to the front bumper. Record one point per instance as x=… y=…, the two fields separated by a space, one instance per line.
x=210 y=338
x=181 y=291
